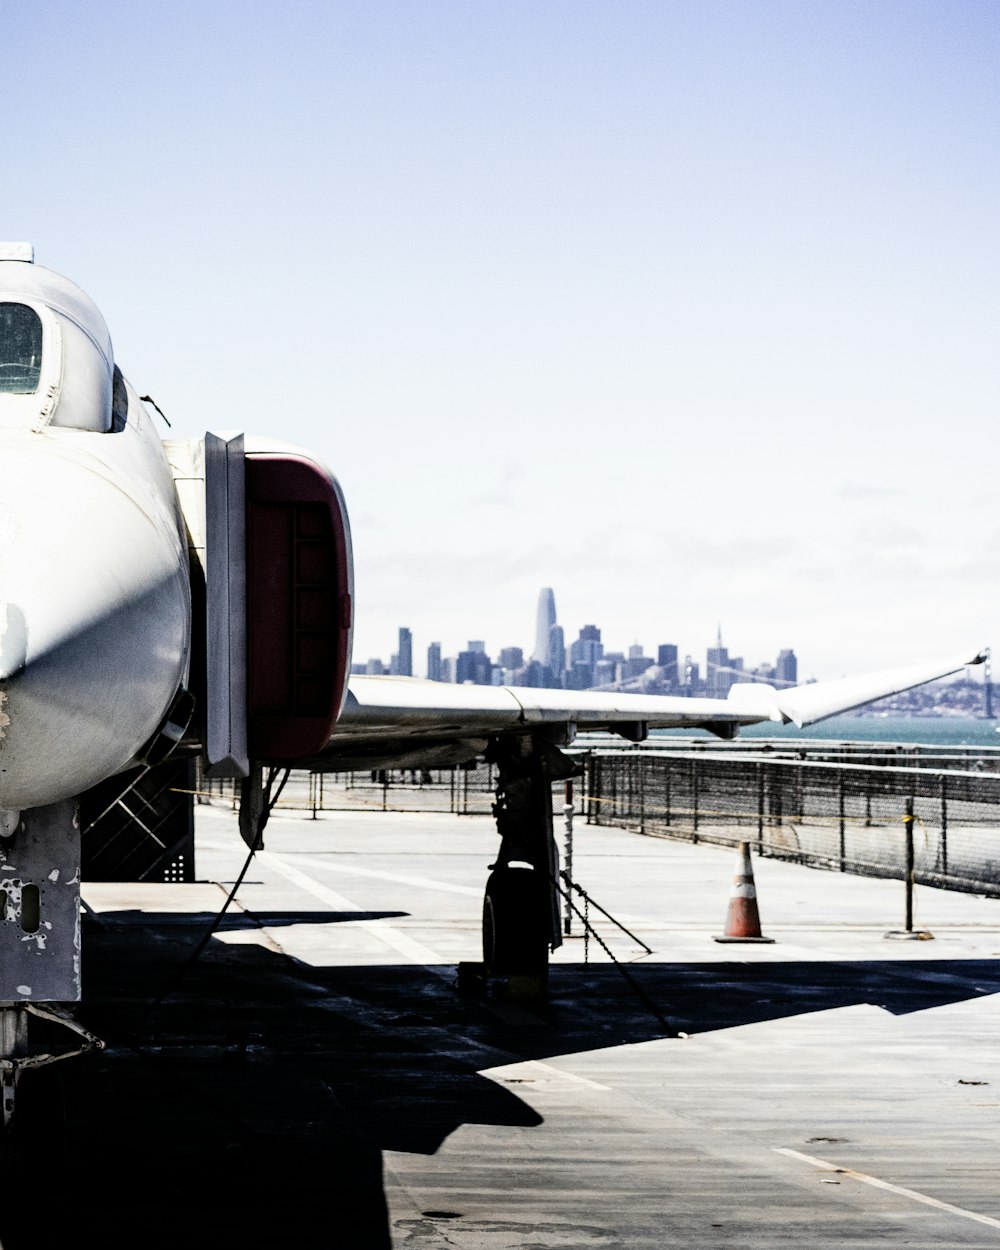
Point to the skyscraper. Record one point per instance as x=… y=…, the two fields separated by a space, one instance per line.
x=434 y=662
x=666 y=657
x=545 y=618
x=555 y=660
x=583 y=655
x=405 y=661
x=787 y=667
x=717 y=674
x=511 y=658
x=637 y=663
x=473 y=666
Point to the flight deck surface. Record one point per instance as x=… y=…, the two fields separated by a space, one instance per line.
x=316 y=1079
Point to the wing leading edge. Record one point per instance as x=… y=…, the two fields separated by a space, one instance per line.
x=390 y=721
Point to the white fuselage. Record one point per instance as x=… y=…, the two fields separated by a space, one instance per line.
x=95 y=604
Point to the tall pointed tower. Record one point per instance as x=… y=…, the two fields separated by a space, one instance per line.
x=545 y=618
x=717 y=668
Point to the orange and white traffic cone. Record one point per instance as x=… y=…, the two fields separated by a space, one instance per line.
x=742 y=918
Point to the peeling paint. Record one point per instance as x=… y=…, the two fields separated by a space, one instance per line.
x=12 y=887
x=4 y=718
x=24 y=989
x=54 y=874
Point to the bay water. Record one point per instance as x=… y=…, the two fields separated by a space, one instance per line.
x=926 y=730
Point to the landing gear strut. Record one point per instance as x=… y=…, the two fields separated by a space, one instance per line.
x=521 y=920
x=39 y=946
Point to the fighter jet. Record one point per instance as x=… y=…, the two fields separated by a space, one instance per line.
x=168 y=598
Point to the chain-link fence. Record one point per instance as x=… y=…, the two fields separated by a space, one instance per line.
x=844 y=816
x=459 y=791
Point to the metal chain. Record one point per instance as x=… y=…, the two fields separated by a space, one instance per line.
x=588 y=929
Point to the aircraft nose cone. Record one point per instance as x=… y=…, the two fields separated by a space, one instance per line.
x=94 y=623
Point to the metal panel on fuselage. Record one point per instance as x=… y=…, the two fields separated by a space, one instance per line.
x=40 y=907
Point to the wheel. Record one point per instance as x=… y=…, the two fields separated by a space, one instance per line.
x=516 y=921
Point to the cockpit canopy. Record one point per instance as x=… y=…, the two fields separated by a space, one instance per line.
x=20 y=349
x=56 y=361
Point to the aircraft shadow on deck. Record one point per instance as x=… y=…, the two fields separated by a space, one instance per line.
x=254 y=1102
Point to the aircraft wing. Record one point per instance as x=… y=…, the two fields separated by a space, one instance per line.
x=392 y=721
x=805 y=705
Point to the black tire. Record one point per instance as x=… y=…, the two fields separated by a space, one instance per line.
x=516 y=922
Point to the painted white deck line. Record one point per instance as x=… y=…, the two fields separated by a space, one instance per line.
x=400 y=942
x=895 y=1189
x=427 y=883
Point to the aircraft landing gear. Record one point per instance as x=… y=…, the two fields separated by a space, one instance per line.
x=515 y=933
x=521 y=904
x=39 y=958
x=30 y=1117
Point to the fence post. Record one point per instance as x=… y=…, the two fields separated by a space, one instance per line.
x=802 y=787
x=843 y=835
x=595 y=780
x=760 y=806
x=944 y=825
x=568 y=859
x=908 y=825
x=588 y=785
x=667 y=775
x=694 y=800
x=642 y=794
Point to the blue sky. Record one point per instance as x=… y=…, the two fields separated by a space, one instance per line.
x=688 y=310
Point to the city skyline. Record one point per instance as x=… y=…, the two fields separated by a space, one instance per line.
x=587 y=662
